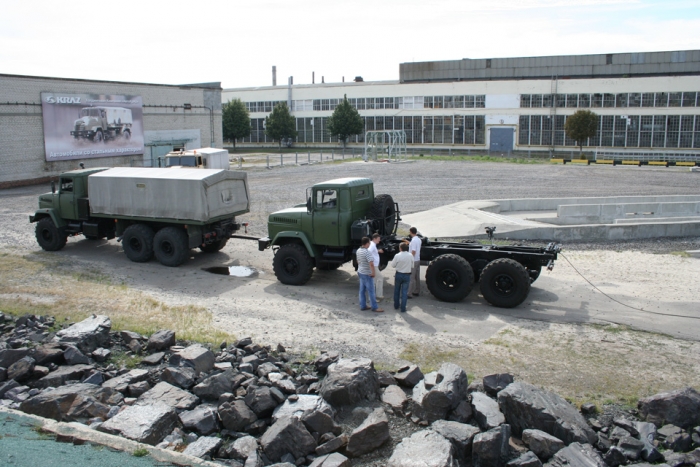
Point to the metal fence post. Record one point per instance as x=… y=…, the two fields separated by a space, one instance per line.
x=321 y=156
x=309 y=161
x=332 y=154
x=268 y=161
x=240 y=161
x=296 y=158
x=281 y=159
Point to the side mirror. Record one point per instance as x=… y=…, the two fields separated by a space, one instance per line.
x=308 y=204
x=53 y=187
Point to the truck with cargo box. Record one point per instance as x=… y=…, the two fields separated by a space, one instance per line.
x=204 y=158
x=159 y=212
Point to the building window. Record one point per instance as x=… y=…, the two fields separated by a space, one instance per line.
x=572 y=100
x=459 y=102
x=480 y=101
x=621 y=100
x=561 y=100
x=389 y=103
x=674 y=99
x=536 y=101
x=633 y=131
x=488 y=63
x=689 y=99
x=437 y=102
x=584 y=100
x=661 y=99
x=609 y=100
x=597 y=100
x=546 y=130
x=449 y=102
x=659 y=132
x=360 y=103
x=634 y=99
x=468 y=102
x=525 y=100
x=608 y=59
x=535 y=130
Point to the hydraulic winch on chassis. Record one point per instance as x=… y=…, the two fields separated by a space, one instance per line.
x=327 y=230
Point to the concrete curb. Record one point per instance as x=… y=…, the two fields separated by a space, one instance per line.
x=83 y=433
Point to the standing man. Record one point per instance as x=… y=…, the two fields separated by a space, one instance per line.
x=414 y=249
x=366 y=271
x=403 y=263
x=378 y=277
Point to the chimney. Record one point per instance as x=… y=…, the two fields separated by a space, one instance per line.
x=274 y=75
x=322 y=81
x=343 y=79
x=313 y=77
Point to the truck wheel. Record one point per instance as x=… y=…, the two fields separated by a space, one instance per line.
x=98 y=136
x=127 y=134
x=49 y=237
x=383 y=211
x=170 y=246
x=505 y=283
x=214 y=247
x=449 y=278
x=292 y=264
x=137 y=242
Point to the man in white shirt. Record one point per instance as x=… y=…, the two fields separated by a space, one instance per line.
x=414 y=249
x=378 y=277
x=403 y=263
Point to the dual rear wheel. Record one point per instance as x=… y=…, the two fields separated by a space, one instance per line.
x=169 y=245
x=504 y=282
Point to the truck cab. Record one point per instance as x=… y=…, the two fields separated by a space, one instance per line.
x=326 y=231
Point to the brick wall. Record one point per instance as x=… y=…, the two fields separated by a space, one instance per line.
x=22 y=155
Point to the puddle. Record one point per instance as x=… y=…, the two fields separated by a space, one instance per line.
x=237 y=271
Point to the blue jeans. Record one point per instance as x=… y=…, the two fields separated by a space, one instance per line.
x=401 y=283
x=367 y=285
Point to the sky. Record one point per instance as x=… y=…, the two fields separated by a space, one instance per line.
x=236 y=42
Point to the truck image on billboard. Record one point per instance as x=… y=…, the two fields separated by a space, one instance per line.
x=83 y=126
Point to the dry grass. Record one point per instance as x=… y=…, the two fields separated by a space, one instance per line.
x=39 y=284
x=587 y=363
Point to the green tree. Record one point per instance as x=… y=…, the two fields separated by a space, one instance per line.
x=280 y=124
x=235 y=120
x=581 y=126
x=345 y=121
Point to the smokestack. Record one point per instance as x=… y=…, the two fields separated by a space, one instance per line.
x=343 y=79
x=313 y=77
x=291 y=80
x=274 y=75
x=322 y=80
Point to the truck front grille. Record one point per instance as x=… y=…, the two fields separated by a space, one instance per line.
x=284 y=220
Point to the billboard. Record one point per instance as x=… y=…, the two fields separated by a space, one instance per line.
x=84 y=126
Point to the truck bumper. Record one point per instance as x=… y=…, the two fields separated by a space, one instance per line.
x=82 y=133
x=263 y=243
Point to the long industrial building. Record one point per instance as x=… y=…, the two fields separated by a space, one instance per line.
x=647 y=101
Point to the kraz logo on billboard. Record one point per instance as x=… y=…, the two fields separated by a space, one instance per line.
x=82 y=126
x=62 y=100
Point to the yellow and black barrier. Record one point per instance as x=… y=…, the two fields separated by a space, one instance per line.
x=615 y=162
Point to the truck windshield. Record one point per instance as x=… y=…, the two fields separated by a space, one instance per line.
x=188 y=161
x=90 y=113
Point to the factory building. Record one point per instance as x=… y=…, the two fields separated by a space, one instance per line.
x=646 y=101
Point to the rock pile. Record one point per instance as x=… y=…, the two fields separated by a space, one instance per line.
x=248 y=405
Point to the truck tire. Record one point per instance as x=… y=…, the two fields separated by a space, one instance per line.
x=127 y=134
x=292 y=264
x=137 y=242
x=505 y=283
x=97 y=137
x=449 y=278
x=48 y=236
x=170 y=246
x=383 y=211
x=215 y=246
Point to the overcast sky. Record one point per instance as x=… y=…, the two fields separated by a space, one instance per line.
x=237 y=41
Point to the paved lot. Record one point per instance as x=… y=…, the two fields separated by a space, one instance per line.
x=325 y=313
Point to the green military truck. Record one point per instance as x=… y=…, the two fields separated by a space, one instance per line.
x=326 y=231
x=159 y=212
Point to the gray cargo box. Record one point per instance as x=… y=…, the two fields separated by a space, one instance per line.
x=197 y=195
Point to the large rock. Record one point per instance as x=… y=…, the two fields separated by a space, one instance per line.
x=64 y=374
x=180 y=377
x=10 y=356
x=542 y=444
x=433 y=401
x=287 y=435
x=409 y=376
x=460 y=435
x=85 y=407
x=204 y=446
x=121 y=383
x=526 y=406
x=236 y=415
x=495 y=383
x=371 y=434
x=647 y=434
x=527 y=459
x=195 y=356
x=331 y=460
x=261 y=401
x=350 y=380
x=631 y=447
x=144 y=423
x=680 y=407
x=49 y=353
x=56 y=403
x=161 y=340
x=214 y=386
x=577 y=455
x=486 y=411
x=424 y=448
x=395 y=397
x=169 y=395
x=203 y=419
x=492 y=448
x=7 y=386
x=321 y=423
x=304 y=405
x=88 y=334
x=73 y=356
x=240 y=449
x=22 y=369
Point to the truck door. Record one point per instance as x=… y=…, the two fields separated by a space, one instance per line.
x=325 y=212
x=66 y=200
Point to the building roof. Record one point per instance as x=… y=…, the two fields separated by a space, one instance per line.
x=213 y=85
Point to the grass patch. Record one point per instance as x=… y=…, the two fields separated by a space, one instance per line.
x=485 y=158
x=682 y=254
x=71 y=296
x=122 y=359
x=586 y=363
x=140 y=452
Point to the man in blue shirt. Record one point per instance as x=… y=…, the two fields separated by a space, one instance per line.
x=365 y=270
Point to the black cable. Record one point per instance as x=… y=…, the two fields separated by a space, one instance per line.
x=624 y=304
